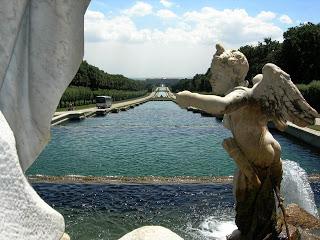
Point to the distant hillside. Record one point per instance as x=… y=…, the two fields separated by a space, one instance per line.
x=95 y=78
x=91 y=81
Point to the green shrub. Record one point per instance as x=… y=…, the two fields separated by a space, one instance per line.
x=311 y=92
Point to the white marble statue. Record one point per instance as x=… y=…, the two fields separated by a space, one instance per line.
x=41 y=48
x=247 y=112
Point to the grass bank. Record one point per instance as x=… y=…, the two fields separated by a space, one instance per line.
x=84 y=97
x=91 y=105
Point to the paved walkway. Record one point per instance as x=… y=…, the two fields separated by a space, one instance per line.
x=114 y=105
x=305 y=134
x=62 y=116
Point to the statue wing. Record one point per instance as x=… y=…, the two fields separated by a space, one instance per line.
x=281 y=99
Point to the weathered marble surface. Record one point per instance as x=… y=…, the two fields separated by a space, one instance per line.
x=151 y=233
x=41 y=48
x=23 y=214
x=247 y=112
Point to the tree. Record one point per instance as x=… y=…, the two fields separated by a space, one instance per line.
x=268 y=51
x=300 y=52
x=91 y=76
x=199 y=83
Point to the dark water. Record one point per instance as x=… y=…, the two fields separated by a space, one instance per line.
x=156 y=138
x=195 y=212
x=110 y=211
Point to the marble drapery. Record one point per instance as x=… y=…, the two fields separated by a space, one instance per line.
x=41 y=48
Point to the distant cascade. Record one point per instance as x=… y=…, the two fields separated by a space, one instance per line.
x=296 y=188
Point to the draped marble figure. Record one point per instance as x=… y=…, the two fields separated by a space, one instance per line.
x=247 y=112
x=41 y=48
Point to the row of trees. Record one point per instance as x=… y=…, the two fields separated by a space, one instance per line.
x=83 y=95
x=199 y=83
x=297 y=55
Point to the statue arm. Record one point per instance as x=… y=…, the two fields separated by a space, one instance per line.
x=214 y=104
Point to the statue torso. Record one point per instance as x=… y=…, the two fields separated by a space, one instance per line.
x=249 y=128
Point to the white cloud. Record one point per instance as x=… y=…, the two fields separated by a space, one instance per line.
x=192 y=34
x=166 y=3
x=139 y=9
x=150 y=59
x=266 y=15
x=119 y=28
x=166 y=14
x=285 y=19
x=233 y=27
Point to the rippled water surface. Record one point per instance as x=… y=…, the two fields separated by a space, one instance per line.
x=106 y=212
x=156 y=138
x=110 y=211
x=159 y=139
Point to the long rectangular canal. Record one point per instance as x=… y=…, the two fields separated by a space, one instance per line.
x=154 y=139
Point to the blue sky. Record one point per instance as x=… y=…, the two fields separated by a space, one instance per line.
x=176 y=38
x=307 y=10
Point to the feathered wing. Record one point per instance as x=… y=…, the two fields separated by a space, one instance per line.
x=281 y=99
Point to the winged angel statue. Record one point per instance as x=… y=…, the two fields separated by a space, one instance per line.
x=247 y=112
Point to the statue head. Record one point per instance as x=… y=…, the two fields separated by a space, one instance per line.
x=228 y=70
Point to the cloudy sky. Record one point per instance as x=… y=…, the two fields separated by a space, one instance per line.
x=176 y=38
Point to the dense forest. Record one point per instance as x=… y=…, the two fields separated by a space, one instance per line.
x=199 y=83
x=91 y=81
x=95 y=78
x=297 y=55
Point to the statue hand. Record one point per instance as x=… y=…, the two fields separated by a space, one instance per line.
x=182 y=99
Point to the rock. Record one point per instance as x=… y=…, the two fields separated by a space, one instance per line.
x=308 y=235
x=293 y=232
x=299 y=217
x=302 y=225
x=151 y=233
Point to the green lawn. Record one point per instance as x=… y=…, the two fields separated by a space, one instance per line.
x=93 y=105
x=315 y=127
